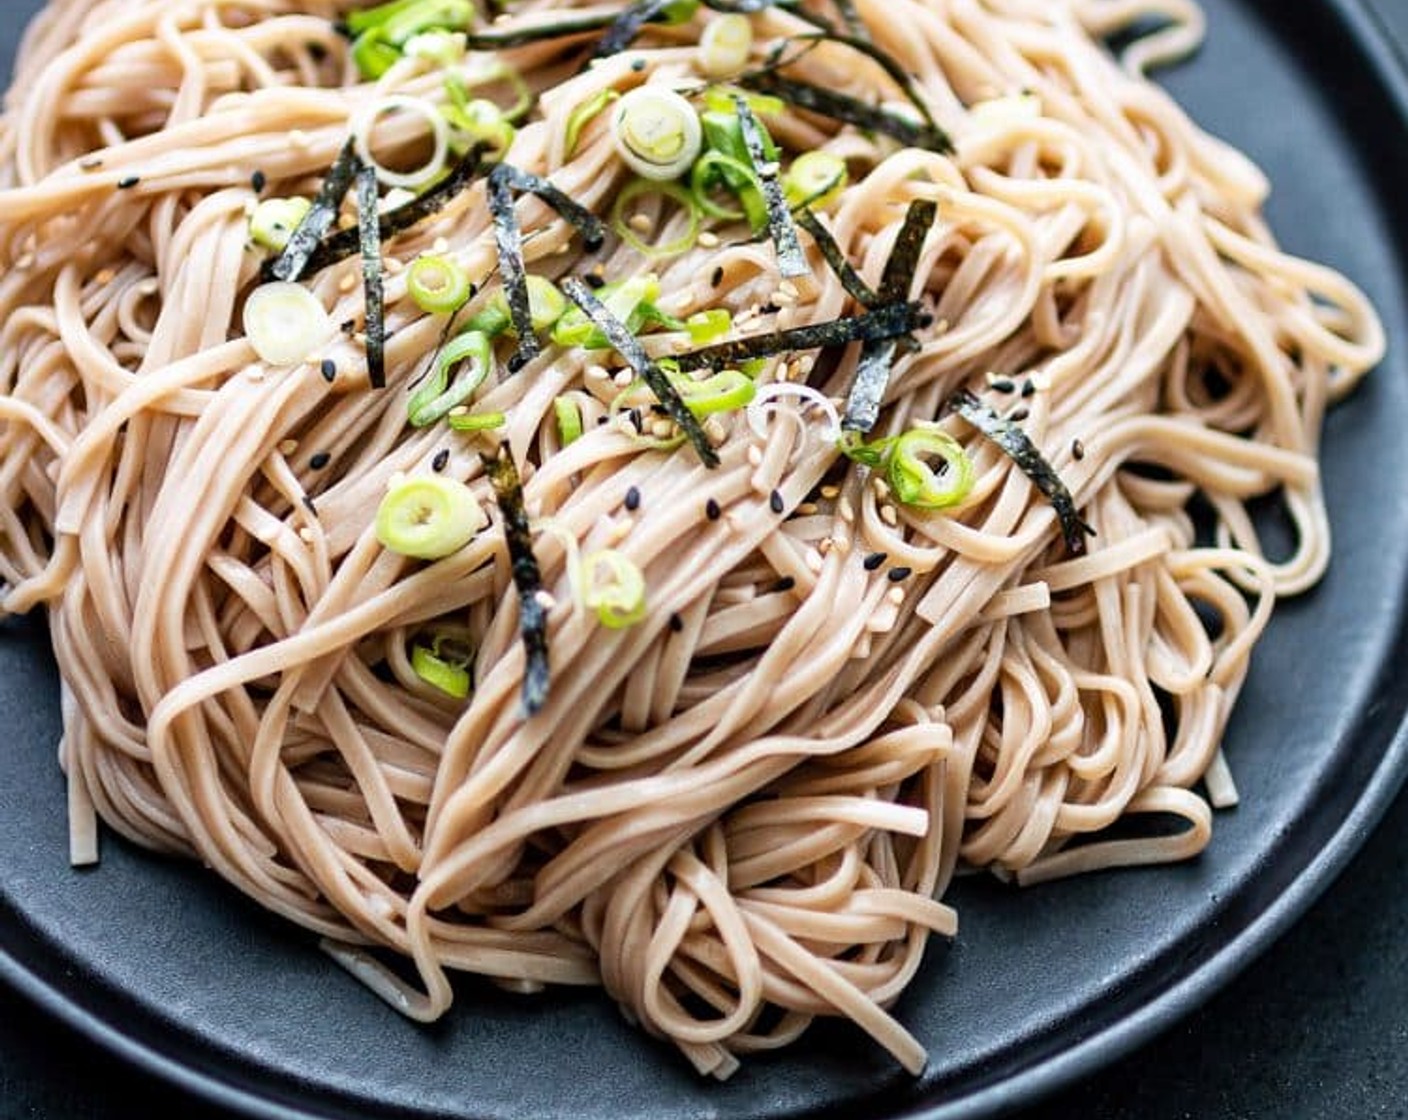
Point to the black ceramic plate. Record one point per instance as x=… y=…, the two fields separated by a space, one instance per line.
x=164 y=965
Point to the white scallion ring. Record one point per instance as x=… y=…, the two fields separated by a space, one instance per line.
x=657 y=132
x=366 y=120
x=286 y=323
x=766 y=403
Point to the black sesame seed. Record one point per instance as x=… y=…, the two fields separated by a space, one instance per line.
x=517 y=362
x=718 y=277
x=1003 y=385
x=659 y=410
x=1078 y=451
x=1020 y=415
x=329 y=369
x=676 y=623
x=602 y=419
x=441 y=460
x=320 y=460
x=258 y=181
x=638 y=65
x=899 y=575
x=786 y=583
x=128 y=183
x=776 y=503
x=875 y=560
x=637 y=420
x=770 y=308
x=633 y=499
x=926 y=320
x=1029 y=389
x=92 y=163
x=594 y=281
x=349 y=326
x=712 y=510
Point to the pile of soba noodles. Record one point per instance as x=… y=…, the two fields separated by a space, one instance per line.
x=741 y=810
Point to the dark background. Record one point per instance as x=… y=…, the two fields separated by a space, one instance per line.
x=1318 y=1028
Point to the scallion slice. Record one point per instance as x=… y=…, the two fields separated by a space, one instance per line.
x=286 y=323
x=621 y=217
x=274 y=220
x=438 y=285
x=614 y=587
x=468 y=358
x=569 y=420
x=428 y=517
x=657 y=132
x=449 y=677
x=583 y=115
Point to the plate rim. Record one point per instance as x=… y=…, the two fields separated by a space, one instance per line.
x=1387 y=62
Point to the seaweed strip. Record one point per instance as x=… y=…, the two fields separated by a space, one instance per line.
x=527 y=578
x=303 y=243
x=849 y=110
x=851 y=280
x=629 y=347
x=877 y=358
x=791 y=261
x=627 y=26
x=522 y=37
x=855 y=25
x=508 y=237
x=885 y=322
x=1018 y=446
x=369 y=231
x=346 y=242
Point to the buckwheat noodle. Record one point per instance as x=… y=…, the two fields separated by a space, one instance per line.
x=741 y=813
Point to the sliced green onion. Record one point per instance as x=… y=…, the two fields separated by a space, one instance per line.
x=657 y=132
x=721 y=99
x=725 y=45
x=434 y=399
x=726 y=391
x=708 y=326
x=913 y=479
x=480 y=120
x=366 y=120
x=492 y=319
x=438 y=284
x=621 y=219
x=450 y=678
x=815 y=179
x=614 y=587
x=906 y=459
x=274 y=220
x=583 y=115
x=631 y=301
x=569 y=420
x=286 y=323
x=458 y=85
x=401 y=20
x=374 y=56
x=428 y=517
x=546 y=305
x=478 y=421
x=442 y=48
x=713 y=170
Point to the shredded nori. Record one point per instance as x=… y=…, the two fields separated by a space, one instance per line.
x=1018 y=446
x=893 y=321
x=581 y=25
x=303 y=243
x=527 y=578
x=369 y=231
x=508 y=236
x=791 y=261
x=627 y=26
x=344 y=243
x=849 y=110
x=845 y=272
x=878 y=357
x=629 y=347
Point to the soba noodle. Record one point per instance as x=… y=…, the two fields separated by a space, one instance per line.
x=742 y=812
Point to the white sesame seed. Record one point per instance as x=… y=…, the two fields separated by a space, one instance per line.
x=662 y=429
x=641 y=223
x=288 y=447
x=814 y=561
x=624 y=378
x=895 y=595
x=889 y=515
x=830 y=493
x=307 y=535
x=709 y=239
x=755 y=456
x=846 y=510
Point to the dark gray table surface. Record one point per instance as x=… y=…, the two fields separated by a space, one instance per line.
x=1317 y=1029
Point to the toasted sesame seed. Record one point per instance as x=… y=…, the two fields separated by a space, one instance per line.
x=662 y=429
x=676 y=623
x=258 y=181
x=1078 y=451
x=288 y=447
x=895 y=595
x=889 y=515
x=830 y=493
x=307 y=535
x=1021 y=414
x=775 y=502
x=875 y=560
x=786 y=583
x=808 y=509
x=104 y=277
x=641 y=223
x=709 y=239
x=633 y=498
x=841 y=545
x=846 y=510
x=712 y=510
x=899 y=575
x=623 y=379
x=328 y=368
x=128 y=182
x=441 y=460
x=320 y=460
x=755 y=455
x=718 y=277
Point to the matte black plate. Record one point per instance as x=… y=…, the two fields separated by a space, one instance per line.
x=165 y=965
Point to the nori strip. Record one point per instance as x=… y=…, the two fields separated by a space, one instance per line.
x=344 y=243
x=303 y=243
x=903 y=261
x=847 y=109
x=877 y=359
x=627 y=26
x=855 y=25
x=885 y=322
x=629 y=347
x=527 y=578
x=851 y=280
x=508 y=237
x=369 y=231
x=1018 y=446
x=522 y=37
x=586 y=223
x=791 y=261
